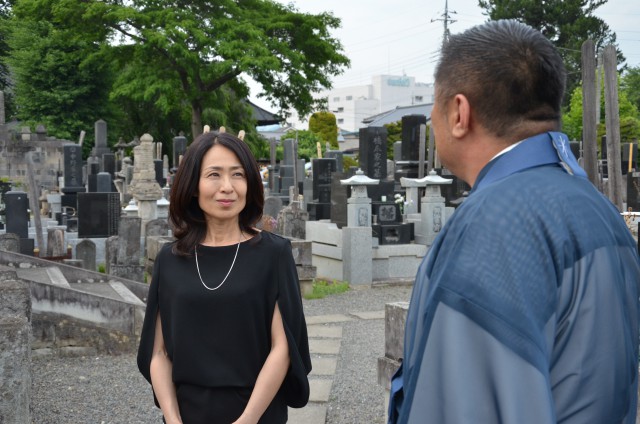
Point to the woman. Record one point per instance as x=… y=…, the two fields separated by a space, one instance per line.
x=224 y=338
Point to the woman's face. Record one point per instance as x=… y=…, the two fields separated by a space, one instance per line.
x=222 y=190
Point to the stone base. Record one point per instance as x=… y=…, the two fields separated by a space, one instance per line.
x=318 y=211
x=393 y=233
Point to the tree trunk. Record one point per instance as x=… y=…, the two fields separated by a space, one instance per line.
x=196 y=119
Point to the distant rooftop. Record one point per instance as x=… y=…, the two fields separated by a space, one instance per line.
x=395 y=115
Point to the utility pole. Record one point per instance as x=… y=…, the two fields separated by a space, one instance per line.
x=446 y=19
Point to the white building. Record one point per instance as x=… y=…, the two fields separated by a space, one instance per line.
x=353 y=104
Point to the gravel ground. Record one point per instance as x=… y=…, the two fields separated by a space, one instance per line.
x=110 y=390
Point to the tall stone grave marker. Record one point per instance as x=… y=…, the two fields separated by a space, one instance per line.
x=17 y=215
x=123 y=251
x=179 y=149
x=98 y=214
x=101 y=146
x=72 y=173
x=320 y=207
x=373 y=152
x=144 y=187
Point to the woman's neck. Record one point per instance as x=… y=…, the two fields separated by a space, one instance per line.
x=223 y=234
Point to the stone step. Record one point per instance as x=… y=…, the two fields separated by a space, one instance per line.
x=312 y=413
x=125 y=293
x=49 y=275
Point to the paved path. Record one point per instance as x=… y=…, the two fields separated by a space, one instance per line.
x=325 y=338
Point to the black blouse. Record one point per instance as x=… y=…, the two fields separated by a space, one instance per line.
x=221 y=338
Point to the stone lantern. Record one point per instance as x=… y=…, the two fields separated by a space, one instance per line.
x=432 y=208
x=359 y=205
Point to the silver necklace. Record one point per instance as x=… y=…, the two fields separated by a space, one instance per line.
x=225 y=277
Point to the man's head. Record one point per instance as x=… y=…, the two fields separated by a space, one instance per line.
x=510 y=73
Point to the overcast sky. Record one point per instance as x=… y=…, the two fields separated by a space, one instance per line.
x=404 y=36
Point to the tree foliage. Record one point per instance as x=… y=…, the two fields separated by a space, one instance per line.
x=58 y=81
x=567 y=23
x=629 y=116
x=324 y=125
x=184 y=53
x=630 y=83
x=394 y=133
x=307 y=142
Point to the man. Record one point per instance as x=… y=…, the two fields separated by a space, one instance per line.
x=526 y=308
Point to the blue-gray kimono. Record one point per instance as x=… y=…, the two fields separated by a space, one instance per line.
x=526 y=308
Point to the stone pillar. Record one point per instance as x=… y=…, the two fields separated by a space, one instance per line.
x=144 y=187
x=395 y=318
x=15 y=349
x=412 y=187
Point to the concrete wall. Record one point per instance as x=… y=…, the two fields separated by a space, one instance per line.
x=88 y=318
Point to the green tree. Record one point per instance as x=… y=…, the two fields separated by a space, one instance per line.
x=567 y=23
x=307 y=142
x=184 y=52
x=58 y=81
x=629 y=116
x=394 y=133
x=630 y=83
x=324 y=125
x=5 y=75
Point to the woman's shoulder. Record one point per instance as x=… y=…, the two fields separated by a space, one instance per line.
x=272 y=240
x=166 y=249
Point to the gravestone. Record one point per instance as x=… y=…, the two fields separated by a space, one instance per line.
x=103 y=183
x=397 y=151
x=411 y=136
x=272 y=206
x=320 y=206
x=55 y=242
x=179 y=149
x=10 y=242
x=98 y=214
x=86 y=251
x=157 y=227
x=72 y=174
x=407 y=166
x=158 y=166
x=338 y=156
x=93 y=168
x=123 y=252
x=72 y=168
x=633 y=191
x=339 y=195
x=144 y=187
x=109 y=164
x=16 y=213
x=100 y=128
x=287 y=167
x=373 y=152
x=292 y=221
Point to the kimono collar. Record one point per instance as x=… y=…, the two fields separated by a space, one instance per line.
x=542 y=149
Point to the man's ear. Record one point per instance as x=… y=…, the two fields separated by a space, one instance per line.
x=460 y=116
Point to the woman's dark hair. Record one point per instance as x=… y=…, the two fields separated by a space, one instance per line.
x=187 y=219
